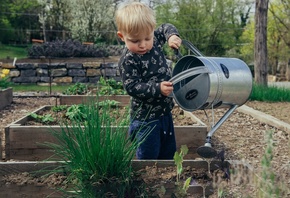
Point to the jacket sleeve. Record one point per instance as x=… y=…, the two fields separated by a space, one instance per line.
x=164 y=32
x=133 y=81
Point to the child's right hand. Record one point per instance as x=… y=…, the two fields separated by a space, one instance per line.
x=166 y=88
x=174 y=42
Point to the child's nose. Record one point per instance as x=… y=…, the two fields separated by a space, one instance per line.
x=142 y=44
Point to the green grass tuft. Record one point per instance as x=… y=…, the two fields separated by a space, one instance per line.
x=12 y=52
x=35 y=87
x=270 y=94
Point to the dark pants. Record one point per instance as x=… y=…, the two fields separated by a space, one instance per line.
x=157 y=138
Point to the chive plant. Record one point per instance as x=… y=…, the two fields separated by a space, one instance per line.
x=270 y=94
x=96 y=153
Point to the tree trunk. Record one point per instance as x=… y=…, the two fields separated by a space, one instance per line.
x=288 y=71
x=261 y=53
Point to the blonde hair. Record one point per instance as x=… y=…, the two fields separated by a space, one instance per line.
x=135 y=18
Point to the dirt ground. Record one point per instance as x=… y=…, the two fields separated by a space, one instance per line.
x=241 y=136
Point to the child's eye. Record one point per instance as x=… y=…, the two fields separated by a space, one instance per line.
x=133 y=41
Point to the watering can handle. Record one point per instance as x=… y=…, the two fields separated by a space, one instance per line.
x=188 y=73
x=190 y=46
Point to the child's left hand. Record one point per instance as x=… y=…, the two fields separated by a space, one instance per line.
x=174 y=42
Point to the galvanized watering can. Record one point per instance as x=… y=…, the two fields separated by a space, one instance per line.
x=210 y=82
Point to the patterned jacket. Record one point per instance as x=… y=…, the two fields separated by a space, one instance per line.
x=142 y=75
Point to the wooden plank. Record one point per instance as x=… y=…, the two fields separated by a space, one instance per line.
x=39 y=168
x=1 y=157
x=29 y=190
x=88 y=43
x=37 y=41
x=6 y=97
x=33 y=154
x=30 y=137
x=7 y=143
x=192 y=137
x=24 y=119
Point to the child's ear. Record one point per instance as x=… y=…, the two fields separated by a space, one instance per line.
x=120 y=35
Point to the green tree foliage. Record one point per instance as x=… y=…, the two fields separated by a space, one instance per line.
x=247 y=38
x=17 y=18
x=53 y=16
x=278 y=29
x=277 y=36
x=91 y=20
x=213 y=26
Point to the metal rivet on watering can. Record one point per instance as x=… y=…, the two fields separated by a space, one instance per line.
x=210 y=82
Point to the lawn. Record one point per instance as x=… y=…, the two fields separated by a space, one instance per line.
x=12 y=52
x=32 y=87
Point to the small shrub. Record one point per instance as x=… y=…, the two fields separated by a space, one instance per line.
x=65 y=49
x=76 y=89
x=110 y=87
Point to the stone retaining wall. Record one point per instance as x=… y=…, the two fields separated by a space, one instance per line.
x=62 y=73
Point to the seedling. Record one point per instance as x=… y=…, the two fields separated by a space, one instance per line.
x=178 y=159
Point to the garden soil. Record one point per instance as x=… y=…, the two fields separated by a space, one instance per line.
x=242 y=137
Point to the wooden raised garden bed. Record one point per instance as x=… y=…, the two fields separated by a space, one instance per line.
x=23 y=142
x=6 y=97
x=203 y=187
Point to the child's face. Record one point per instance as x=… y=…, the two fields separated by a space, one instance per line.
x=139 y=44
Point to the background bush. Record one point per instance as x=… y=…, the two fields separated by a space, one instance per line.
x=72 y=48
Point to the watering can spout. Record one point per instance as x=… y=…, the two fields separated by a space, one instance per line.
x=207 y=151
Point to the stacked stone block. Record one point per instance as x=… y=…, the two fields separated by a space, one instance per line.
x=62 y=73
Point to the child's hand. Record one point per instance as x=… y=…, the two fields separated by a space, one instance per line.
x=166 y=88
x=174 y=42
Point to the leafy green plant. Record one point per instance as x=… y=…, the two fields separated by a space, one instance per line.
x=96 y=156
x=76 y=112
x=112 y=103
x=114 y=84
x=47 y=118
x=59 y=108
x=110 y=87
x=178 y=159
x=76 y=89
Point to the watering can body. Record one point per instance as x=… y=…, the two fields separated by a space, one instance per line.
x=210 y=82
